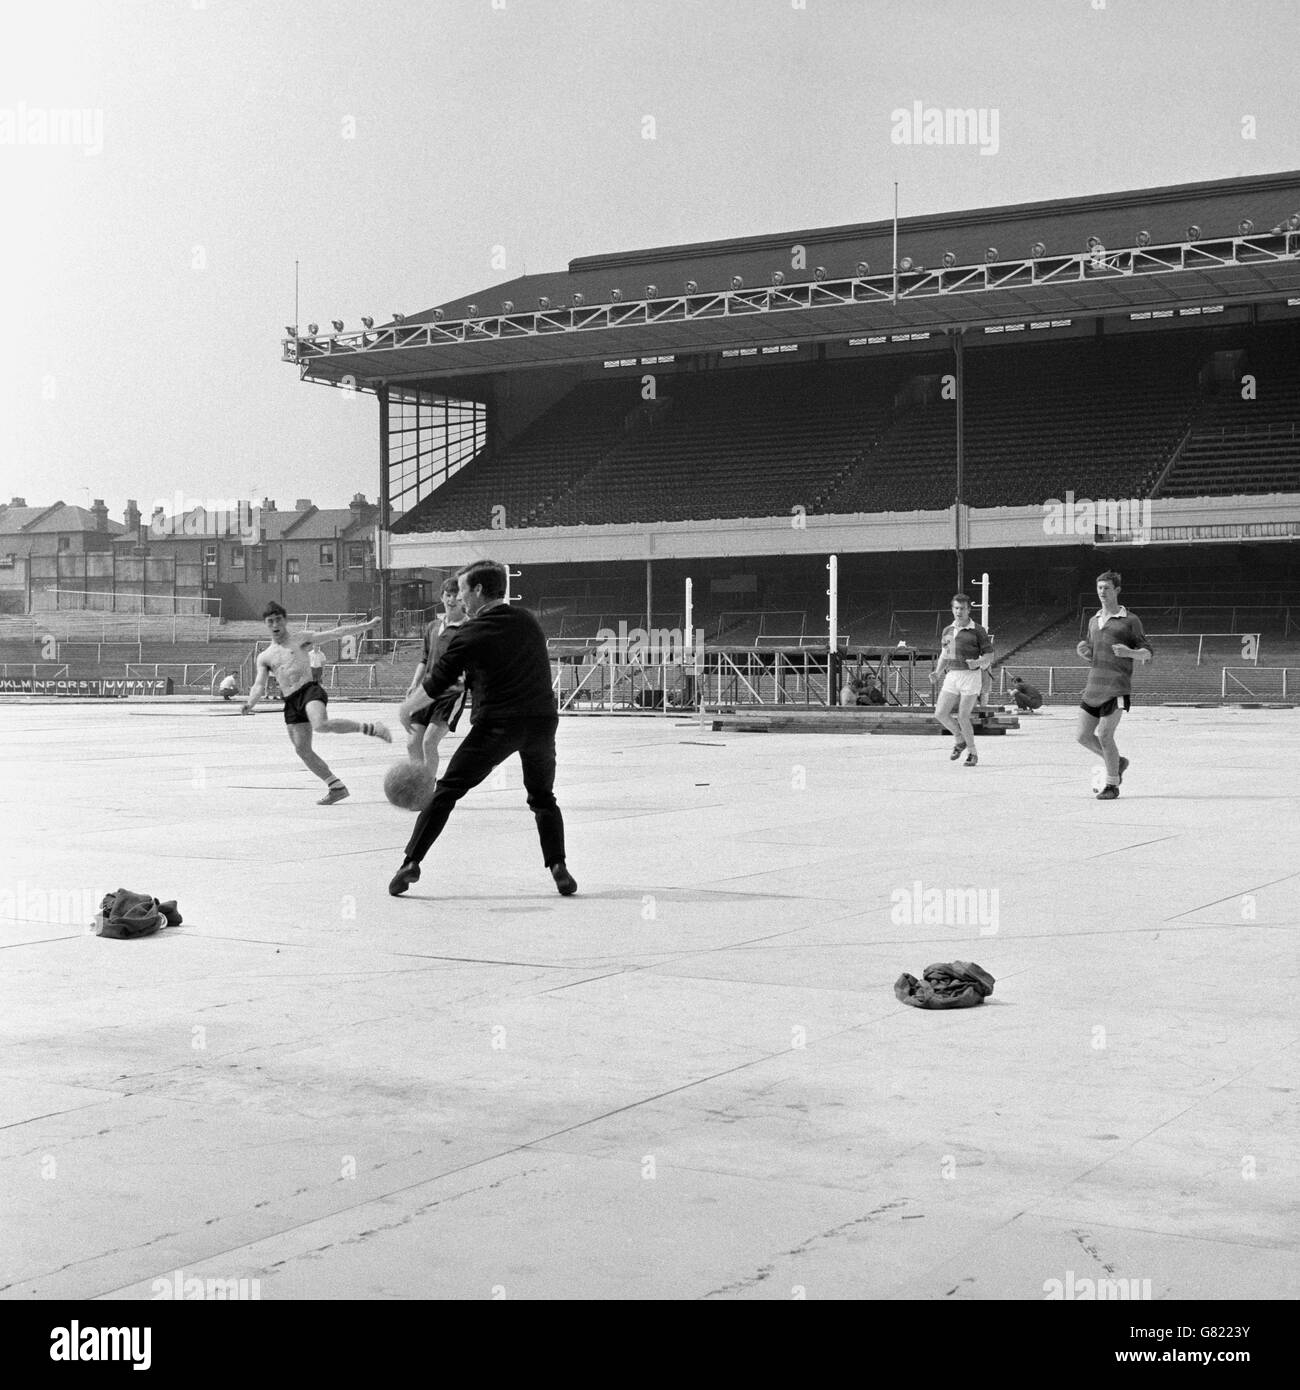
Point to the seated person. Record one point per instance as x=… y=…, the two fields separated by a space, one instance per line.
x=1026 y=696
x=862 y=689
x=871 y=693
x=229 y=687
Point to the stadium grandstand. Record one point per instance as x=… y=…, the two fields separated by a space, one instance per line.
x=1035 y=392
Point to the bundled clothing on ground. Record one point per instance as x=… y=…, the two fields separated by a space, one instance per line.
x=958 y=984
x=126 y=914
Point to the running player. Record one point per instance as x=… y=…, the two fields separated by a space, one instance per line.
x=1114 y=642
x=433 y=722
x=967 y=652
x=305 y=699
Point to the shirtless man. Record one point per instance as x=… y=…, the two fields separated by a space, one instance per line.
x=304 y=698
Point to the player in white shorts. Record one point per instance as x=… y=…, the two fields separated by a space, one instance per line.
x=967 y=653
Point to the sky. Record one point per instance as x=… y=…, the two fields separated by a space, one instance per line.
x=147 y=245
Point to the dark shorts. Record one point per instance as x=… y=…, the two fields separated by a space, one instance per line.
x=1101 y=711
x=295 y=705
x=446 y=709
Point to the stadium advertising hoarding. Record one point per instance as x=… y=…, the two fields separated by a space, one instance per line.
x=93 y=688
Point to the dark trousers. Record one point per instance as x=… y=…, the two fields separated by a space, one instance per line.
x=487 y=745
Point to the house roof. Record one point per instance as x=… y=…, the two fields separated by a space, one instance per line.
x=57 y=516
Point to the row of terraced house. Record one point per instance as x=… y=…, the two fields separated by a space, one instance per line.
x=57 y=556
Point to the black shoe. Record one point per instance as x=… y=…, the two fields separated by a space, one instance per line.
x=1108 y=793
x=405 y=876
x=1123 y=764
x=564 y=880
x=957 y=750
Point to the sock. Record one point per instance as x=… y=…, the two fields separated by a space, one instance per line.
x=368 y=728
x=334 y=782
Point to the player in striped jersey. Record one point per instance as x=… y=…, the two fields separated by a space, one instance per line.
x=967 y=652
x=1114 y=642
x=432 y=723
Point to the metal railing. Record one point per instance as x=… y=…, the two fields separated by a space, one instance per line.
x=67 y=647
x=1249 y=642
x=1260 y=676
x=184 y=675
x=344 y=676
x=113 y=601
x=594 y=686
x=107 y=628
x=34 y=670
x=1047 y=682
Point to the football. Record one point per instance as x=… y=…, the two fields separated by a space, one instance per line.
x=409 y=785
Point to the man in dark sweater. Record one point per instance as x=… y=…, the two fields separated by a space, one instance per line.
x=501 y=652
x=1028 y=698
x=1114 y=642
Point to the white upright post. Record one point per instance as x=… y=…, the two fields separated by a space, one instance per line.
x=691 y=656
x=986 y=679
x=833 y=619
x=833 y=633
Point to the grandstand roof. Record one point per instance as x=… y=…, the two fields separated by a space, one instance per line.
x=1217 y=208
